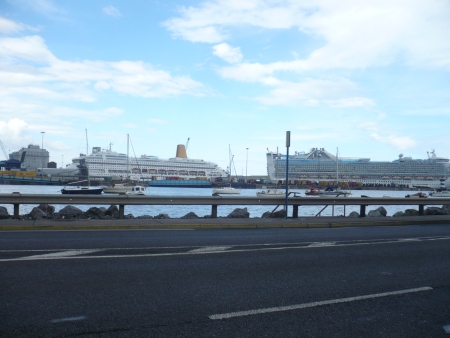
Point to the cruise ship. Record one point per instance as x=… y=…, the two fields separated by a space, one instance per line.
x=320 y=165
x=105 y=163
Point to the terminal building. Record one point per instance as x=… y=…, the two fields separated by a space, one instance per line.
x=32 y=157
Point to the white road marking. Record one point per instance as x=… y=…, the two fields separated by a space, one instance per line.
x=241 y=249
x=447 y=328
x=314 y=304
x=60 y=254
x=207 y=249
x=68 y=319
x=321 y=244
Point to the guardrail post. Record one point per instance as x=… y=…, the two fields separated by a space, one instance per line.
x=421 y=212
x=214 y=211
x=121 y=211
x=16 y=210
x=295 y=211
x=362 y=211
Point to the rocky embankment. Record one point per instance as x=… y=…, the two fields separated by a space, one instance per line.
x=45 y=211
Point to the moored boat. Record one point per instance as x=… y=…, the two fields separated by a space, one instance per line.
x=118 y=188
x=226 y=191
x=270 y=193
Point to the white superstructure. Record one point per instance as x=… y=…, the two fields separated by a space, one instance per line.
x=103 y=163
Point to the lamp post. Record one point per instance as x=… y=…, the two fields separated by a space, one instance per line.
x=246 y=164
x=42 y=148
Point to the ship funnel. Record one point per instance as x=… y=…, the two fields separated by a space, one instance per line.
x=181 y=151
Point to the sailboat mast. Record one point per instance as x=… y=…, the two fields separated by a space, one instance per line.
x=337 y=167
x=85 y=159
x=128 y=150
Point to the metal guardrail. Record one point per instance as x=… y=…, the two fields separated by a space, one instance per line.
x=17 y=199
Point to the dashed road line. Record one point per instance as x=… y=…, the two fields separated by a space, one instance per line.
x=315 y=304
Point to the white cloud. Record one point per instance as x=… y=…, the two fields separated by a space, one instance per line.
x=10 y=27
x=228 y=53
x=398 y=142
x=357 y=34
x=313 y=92
x=371 y=126
x=112 y=11
x=27 y=67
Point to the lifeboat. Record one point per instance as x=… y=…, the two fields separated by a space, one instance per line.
x=201 y=173
x=193 y=173
x=407 y=177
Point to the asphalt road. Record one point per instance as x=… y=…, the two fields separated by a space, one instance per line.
x=338 y=282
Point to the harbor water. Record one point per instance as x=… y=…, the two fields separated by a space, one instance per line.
x=178 y=211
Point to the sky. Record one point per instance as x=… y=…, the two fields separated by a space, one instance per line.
x=365 y=78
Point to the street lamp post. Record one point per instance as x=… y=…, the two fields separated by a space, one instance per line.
x=246 y=164
x=42 y=148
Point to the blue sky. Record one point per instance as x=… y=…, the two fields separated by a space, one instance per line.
x=371 y=78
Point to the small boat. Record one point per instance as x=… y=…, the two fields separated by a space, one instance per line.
x=118 y=188
x=136 y=190
x=313 y=192
x=268 y=193
x=417 y=195
x=226 y=191
x=444 y=193
x=80 y=190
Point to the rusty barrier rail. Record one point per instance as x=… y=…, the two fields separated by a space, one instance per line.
x=16 y=199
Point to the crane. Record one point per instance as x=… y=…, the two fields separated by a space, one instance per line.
x=187 y=143
x=4 y=150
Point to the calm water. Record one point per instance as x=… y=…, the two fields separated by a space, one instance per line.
x=222 y=211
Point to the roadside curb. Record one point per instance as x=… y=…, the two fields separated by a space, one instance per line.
x=237 y=224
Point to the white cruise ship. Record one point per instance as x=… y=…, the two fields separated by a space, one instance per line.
x=103 y=163
x=320 y=165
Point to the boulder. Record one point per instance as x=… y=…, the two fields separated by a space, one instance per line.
x=48 y=209
x=276 y=214
x=112 y=211
x=37 y=213
x=4 y=213
x=378 y=212
x=353 y=214
x=69 y=211
x=162 y=216
x=434 y=211
x=239 y=213
x=398 y=214
x=144 y=217
x=446 y=209
x=190 y=215
x=411 y=212
x=95 y=212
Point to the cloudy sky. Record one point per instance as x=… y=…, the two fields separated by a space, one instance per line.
x=371 y=78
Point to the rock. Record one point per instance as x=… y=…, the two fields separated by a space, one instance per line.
x=162 y=216
x=353 y=214
x=37 y=213
x=190 y=215
x=379 y=212
x=112 y=211
x=69 y=211
x=446 y=209
x=95 y=212
x=129 y=216
x=4 y=213
x=239 y=213
x=48 y=209
x=411 y=212
x=276 y=214
x=434 y=211
x=398 y=214
x=144 y=217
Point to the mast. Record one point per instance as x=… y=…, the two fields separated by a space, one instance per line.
x=337 y=167
x=128 y=150
x=85 y=159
